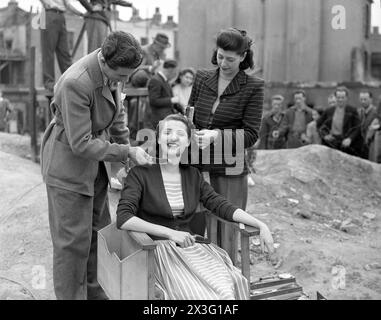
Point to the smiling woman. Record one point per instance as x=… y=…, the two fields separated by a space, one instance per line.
x=162 y=200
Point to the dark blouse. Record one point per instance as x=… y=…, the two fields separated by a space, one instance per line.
x=144 y=196
x=240 y=107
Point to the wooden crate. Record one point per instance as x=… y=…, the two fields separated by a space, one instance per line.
x=125 y=264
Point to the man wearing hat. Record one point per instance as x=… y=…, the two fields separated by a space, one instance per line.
x=154 y=52
x=153 y=57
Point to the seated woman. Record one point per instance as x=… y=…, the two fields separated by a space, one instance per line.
x=161 y=200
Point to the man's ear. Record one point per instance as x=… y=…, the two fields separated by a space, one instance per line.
x=102 y=58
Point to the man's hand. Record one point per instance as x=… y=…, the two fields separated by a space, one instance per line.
x=139 y=156
x=375 y=125
x=346 y=142
x=97 y=7
x=175 y=99
x=304 y=138
x=121 y=175
x=275 y=134
x=205 y=137
x=328 y=138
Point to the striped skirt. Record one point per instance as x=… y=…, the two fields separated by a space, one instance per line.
x=200 y=272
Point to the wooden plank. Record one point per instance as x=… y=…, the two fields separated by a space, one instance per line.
x=151 y=274
x=32 y=105
x=143 y=240
x=278 y=293
x=250 y=231
x=108 y=270
x=212 y=229
x=135 y=92
x=134 y=283
x=245 y=256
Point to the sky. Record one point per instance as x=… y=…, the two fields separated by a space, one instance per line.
x=146 y=7
x=167 y=7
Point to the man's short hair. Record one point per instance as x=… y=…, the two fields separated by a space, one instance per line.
x=277 y=97
x=368 y=92
x=121 y=49
x=299 y=91
x=342 y=89
x=170 y=64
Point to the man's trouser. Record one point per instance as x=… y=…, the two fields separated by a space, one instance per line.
x=74 y=221
x=54 y=40
x=97 y=31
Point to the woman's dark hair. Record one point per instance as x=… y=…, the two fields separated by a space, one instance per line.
x=176 y=117
x=121 y=49
x=183 y=72
x=237 y=41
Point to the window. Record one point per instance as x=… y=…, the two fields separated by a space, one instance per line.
x=8 y=44
x=1 y=40
x=367 y=21
x=376 y=65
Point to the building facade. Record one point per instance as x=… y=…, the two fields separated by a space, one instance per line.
x=295 y=40
x=19 y=31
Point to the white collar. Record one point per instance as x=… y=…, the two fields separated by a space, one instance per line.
x=162 y=75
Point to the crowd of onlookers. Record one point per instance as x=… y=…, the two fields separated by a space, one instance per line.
x=352 y=129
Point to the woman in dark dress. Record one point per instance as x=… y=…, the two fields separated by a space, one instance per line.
x=228 y=111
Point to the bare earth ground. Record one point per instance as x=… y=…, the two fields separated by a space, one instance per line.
x=304 y=195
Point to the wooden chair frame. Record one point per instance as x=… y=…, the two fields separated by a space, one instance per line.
x=136 y=280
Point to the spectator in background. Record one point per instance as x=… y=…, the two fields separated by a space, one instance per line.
x=183 y=86
x=295 y=120
x=339 y=127
x=269 y=135
x=98 y=20
x=161 y=99
x=373 y=137
x=153 y=57
x=332 y=101
x=54 y=39
x=5 y=111
x=312 y=133
x=367 y=112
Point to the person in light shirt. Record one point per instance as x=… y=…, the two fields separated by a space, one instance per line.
x=183 y=86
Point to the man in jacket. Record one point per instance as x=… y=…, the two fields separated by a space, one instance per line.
x=161 y=99
x=88 y=129
x=367 y=112
x=340 y=126
x=295 y=121
x=269 y=136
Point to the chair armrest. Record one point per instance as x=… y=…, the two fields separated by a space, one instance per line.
x=247 y=230
x=142 y=239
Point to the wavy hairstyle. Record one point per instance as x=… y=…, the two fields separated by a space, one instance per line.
x=121 y=49
x=235 y=40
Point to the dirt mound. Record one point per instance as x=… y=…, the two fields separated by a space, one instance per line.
x=25 y=245
x=324 y=209
x=15 y=144
x=320 y=183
